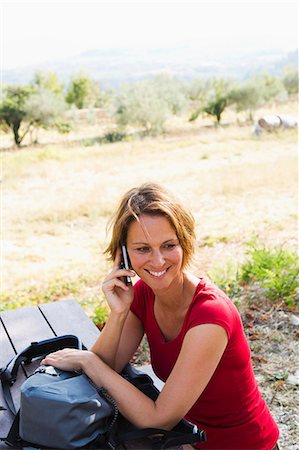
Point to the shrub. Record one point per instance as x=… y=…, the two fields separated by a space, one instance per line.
x=275 y=270
x=100 y=315
x=114 y=136
x=227 y=279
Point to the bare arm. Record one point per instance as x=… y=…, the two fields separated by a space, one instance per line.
x=119 y=340
x=201 y=352
x=120 y=324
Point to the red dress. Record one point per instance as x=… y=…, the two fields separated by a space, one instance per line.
x=230 y=409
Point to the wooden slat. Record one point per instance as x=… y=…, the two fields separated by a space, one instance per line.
x=67 y=317
x=6 y=354
x=25 y=325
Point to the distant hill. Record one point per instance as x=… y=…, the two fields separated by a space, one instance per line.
x=114 y=67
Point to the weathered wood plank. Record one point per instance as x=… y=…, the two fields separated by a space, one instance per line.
x=67 y=317
x=6 y=354
x=23 y=325
x=26 y=325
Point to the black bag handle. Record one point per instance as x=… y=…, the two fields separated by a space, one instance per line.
x=8 y=374
x=184 y=432
x=36 y=350
x=162 y=439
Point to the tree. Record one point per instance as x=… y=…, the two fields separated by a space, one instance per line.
x=246 y=97
x=290 y=80
x=12 y=110
x=82 y=91
x=270 y=87
x=197 y=89
x=44 y=109
x=172 y=91
x=140 y=105
x=23 y=109
x=49 y=81
x=214 y=99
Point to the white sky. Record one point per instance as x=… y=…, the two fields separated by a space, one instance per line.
x=37 y=31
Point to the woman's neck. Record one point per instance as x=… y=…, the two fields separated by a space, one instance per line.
x=179 y=294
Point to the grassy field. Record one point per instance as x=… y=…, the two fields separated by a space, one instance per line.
x=57 y=199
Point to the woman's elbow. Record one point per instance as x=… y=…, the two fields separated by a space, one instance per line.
x=158 y=419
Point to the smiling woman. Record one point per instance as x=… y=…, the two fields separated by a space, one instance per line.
x=195 y=334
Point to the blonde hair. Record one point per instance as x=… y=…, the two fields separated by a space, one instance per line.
x=152 y=199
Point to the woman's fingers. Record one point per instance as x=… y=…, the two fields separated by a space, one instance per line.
x=118 y=259
x=66 y=359
x=117 y=274
x=110 y=284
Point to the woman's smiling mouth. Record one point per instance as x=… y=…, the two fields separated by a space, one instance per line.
x=156 y=274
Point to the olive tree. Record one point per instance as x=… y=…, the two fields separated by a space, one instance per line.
x=13 y=112
x=172 y=91
x=44 y=109
x=246 y=97
x=290 y=80
x=140 y=105
x=213 y=98
x=48 y=81
x=83 y=92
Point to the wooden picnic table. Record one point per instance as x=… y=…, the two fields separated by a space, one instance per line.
x=20 y=327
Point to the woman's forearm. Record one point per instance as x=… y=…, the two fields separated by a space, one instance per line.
x=133 y=404
x=106 y=345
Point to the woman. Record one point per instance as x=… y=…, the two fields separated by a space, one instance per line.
x=195 y=333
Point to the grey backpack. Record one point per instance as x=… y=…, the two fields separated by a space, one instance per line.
x=69 y=411
x=65 y=410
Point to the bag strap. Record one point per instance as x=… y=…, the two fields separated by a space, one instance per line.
x=162 y=439
x=38 y=349
x=8 y=374
x=13 y=439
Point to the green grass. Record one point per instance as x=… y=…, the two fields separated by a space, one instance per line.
x=56 y=289
x=275 y=270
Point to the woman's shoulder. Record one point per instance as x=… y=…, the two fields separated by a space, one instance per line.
x=208 y=293
x=211 y=305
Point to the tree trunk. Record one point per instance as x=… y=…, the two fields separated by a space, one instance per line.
x=15 y=128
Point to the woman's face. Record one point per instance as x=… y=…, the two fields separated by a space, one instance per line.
x=155 y=252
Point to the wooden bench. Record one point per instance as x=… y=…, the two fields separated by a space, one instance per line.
x=20 y=327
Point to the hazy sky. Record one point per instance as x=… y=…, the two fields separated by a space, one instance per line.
x=37 y=31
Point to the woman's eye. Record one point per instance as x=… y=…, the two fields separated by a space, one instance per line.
x=143 y=249
x=169 y=246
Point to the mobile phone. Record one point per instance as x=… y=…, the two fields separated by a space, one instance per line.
x=126 y=264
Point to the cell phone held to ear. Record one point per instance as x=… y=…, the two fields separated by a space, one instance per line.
x=126 y=264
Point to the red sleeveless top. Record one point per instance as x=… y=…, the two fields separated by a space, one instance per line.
x=230 y=409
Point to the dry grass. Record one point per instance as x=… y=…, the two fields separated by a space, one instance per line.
x=56 y=200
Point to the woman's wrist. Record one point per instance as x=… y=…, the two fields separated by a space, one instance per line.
x=88 y=360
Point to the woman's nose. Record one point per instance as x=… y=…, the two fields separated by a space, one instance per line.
x=157 y=259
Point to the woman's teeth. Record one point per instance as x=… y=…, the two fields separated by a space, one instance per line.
x=157 y=274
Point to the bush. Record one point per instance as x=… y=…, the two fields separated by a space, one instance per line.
x=275 y=270
x=100 y=315
x=140 y=105
x=227 y=279
x=114 y=136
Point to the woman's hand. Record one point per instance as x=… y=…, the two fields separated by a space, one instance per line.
x=69 y=359
x=119 y=296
